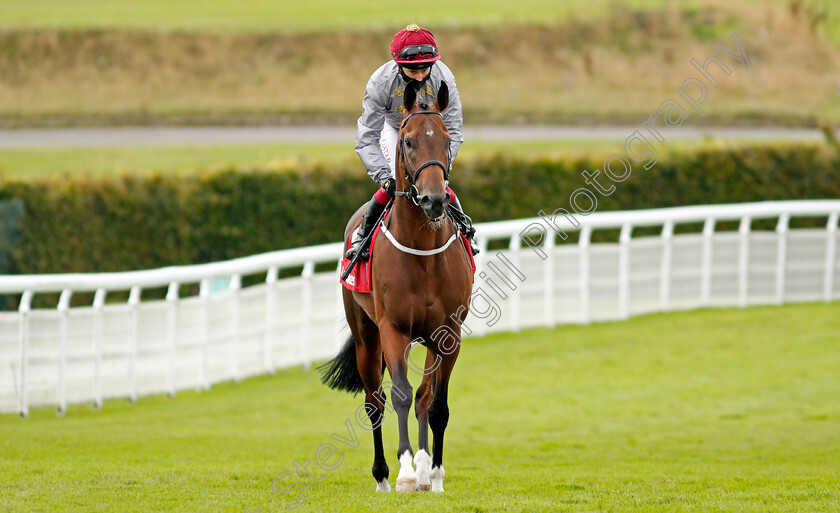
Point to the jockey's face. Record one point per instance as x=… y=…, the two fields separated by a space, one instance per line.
x=417 y=74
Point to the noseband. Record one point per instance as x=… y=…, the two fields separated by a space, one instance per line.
x=410 y=174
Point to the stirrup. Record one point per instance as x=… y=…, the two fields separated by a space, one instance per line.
x=473 y=247
x=355 y=247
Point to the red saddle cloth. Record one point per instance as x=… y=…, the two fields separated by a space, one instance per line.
x=360 y=278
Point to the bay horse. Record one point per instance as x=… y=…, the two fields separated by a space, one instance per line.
x=421 y=288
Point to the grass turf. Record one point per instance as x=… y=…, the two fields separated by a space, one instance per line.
x=328 y=15
x=268 y=15
x=715 y=410
x=39 y=163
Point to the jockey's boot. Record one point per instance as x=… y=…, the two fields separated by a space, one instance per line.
x=368 y=223
x=465 y=224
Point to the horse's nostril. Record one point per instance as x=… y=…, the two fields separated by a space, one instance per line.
x=425 y=203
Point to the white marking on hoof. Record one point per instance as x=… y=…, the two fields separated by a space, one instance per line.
x=407 y=479
x=423 y=462
x=406 y=468
x=383 y=486
x=436 y=476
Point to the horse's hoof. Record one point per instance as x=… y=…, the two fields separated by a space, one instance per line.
x=407 y=485
x=436 y=476
x=383 y=486
x=424 y=464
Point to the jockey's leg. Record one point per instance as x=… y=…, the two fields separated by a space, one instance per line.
x=466 y=227
x=375 y=208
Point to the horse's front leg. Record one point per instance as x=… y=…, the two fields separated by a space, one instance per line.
x=393 y=347
x=439 y=418
x=423 y=458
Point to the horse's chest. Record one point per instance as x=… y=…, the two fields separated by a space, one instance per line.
x=422 y=306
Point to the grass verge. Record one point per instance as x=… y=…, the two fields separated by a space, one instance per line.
x=39 y=163
x=330 y=15
x=715 y=410
x=293 y=17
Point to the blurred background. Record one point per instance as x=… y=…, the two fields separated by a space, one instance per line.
x=76 y=199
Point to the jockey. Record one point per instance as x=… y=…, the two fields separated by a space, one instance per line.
x=415 y=63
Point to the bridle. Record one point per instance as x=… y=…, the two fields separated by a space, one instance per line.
x=410 y=174
x=412 y=193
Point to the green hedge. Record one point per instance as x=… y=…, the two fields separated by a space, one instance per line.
x=121 y=223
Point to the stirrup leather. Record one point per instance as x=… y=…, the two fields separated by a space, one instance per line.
x=463 y=223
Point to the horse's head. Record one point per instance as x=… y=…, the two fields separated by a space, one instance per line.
x=424 y=152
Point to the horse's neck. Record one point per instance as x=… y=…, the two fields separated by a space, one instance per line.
x=411 y=226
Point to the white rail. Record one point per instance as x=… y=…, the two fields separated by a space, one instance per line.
x=73 y=354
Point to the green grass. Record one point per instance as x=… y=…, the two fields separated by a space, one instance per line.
x=270 y=15
x=716 y=410
x=138 y=160
x=330 y=15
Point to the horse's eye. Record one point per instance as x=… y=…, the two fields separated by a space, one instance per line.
x=408 y=143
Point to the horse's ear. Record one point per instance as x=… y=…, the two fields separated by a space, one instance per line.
x=409 y=97
x=442 y=99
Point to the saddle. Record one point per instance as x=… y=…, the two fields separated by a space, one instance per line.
x=359 y=278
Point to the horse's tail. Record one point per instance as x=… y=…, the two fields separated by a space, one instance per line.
x=342 y=373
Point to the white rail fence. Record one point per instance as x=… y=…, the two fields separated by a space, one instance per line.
x=65 y=355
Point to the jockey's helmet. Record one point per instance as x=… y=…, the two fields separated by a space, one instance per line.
x=414 y=47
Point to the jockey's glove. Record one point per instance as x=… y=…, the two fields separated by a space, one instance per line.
x=390 y=185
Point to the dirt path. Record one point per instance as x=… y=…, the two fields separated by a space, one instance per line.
x=178 y=136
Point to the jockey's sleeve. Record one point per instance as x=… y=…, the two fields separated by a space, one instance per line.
x=453 y=115
x=369 y=130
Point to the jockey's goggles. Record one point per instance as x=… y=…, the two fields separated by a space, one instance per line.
x=416 y=67
x=414 y=52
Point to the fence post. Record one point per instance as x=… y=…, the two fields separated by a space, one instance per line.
x=306 y=314
x=743 y=260
x=550 y=265
x=98 y=304
x=516 y=299
x=706 y=269
x=270 y=318
x=584 y=244
x=63 y=307
x=781 y=256
x=665 y=269
x=624 y=270
x=134 y=303
x=23 y=310
x=235 y=287
x=172 y=331
x=481 y=328
x=482 y=242
x=830 y=252
x=204 y=332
